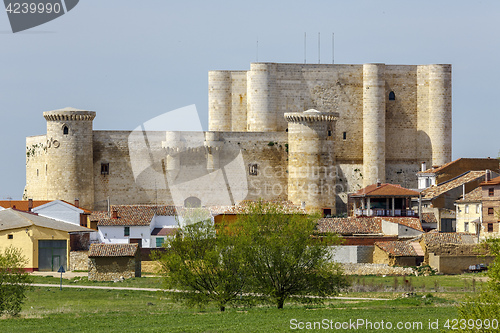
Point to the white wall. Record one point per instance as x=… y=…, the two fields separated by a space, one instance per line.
x=115 y=234
x=59 y=210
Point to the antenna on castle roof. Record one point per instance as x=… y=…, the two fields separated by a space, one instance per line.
x=333 y=48
x=319 y=43
x=305 y=57
x=257 y=51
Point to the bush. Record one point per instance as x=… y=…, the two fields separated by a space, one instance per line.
x=14 y=281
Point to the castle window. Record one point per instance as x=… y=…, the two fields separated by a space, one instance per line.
x=392 y=96
x=10 y=236
x=329 y=132
x=344 y=136
x=65 y=130
x=252 y=169
x=104 y=168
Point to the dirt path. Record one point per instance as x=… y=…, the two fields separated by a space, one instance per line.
x=178 y=291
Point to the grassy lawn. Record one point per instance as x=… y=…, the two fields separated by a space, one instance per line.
x=86 y=310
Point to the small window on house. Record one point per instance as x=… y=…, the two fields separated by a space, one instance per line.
x=478 y=209
x=126 y=231
x=466 y=226
x=104 y=168
x=159 y=241
x=392 y=96
x=65 y=130
x=491 y=192
x=37 y=172
x=10 y=236
x=252 y=169
x=344 y=136
x=490 y=211
x=466 y=209
x=490 y=227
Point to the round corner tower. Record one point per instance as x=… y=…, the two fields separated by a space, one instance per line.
x=70 y=173
x=311 y=161
x=262 y=98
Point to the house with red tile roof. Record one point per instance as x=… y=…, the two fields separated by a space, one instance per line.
x=147 y=225
x=111 y=262
x=382 y=200
x=398 y=253
x=490 y=198
x=441 y=173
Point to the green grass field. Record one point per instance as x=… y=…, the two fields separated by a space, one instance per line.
x=48 y=309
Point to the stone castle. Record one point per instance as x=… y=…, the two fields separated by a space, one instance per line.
x=299 y=132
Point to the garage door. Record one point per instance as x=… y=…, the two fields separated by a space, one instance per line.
x=51 y=255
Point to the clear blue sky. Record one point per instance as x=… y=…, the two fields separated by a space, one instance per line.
x=132 y=60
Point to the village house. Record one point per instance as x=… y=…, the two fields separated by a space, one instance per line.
x=398 y=253
x=44 y=242
x=490 y=190
x=112 y=262
x=440 y=174
x=147 y=225
x=469 y=211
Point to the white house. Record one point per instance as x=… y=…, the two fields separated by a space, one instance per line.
x=148 y=225
x=63 y=211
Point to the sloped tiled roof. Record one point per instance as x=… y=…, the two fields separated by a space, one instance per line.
x=398 y=248
x=385 y=190
x=286 y=207
x=436 y=238
x=163 y=231
x=494 y=181
x=13 y=219
x=435 y=191
x=21 y=204
x=411 y=222
x=132 y=215
x=350 y=225
x=113 y=250
x=428 y=218
x=439 y=169
x=473 y=196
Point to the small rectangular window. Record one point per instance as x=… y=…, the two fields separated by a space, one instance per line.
x=10 y=236
x=466 y=226
x=252 y=169
x=104 y=168
x=344 y=136
x=466 y=209
x=490 y=211
x=126 y=231
x=490 y=227
x=491 y=192
x=478 y=209
x=159 y=241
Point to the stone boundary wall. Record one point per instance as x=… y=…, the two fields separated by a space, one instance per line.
x=376 y=269
x=79 y=261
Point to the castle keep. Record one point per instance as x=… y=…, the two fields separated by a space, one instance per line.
x=300 y=132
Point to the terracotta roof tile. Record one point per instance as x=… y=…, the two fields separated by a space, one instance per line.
x=398 y=248
x=494 y=181
x=163 y=231
x=21 y=205
x=435 y=191
x=132 y=215
x=350 y=225
x=113 y=250
x=473 y=196
x=411 y=222
x=385 y=190
x=286 y=207
x=428 y=218
x=437 y=238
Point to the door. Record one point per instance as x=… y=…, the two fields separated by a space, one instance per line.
x=51 y=255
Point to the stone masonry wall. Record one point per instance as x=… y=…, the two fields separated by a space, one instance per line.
x=111 y=268
x=79 y=261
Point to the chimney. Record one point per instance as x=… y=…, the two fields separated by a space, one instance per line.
x=30 y=205
x=114 y=214
x=487 y=176
x=424 y=167
x=378 y=183
x=77 y=202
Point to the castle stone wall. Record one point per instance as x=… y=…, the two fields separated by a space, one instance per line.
x=36 y=168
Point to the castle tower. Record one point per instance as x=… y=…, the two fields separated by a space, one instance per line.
x=213 y=145
x=373 y=123
x=440 y=113
x=70 y=156
x=261 y=101
x=311 y=165
x=219 y=101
